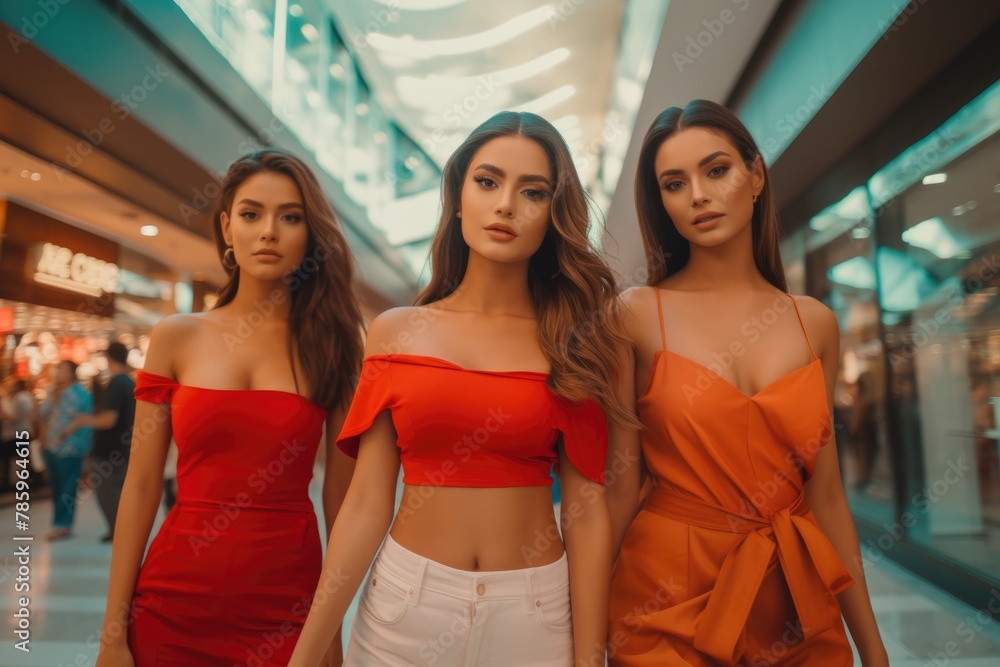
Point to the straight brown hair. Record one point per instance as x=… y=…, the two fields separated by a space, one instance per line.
x=572 y=289
x=667 y=252
x=325 y=323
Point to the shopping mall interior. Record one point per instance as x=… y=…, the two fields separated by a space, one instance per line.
x=879 y=121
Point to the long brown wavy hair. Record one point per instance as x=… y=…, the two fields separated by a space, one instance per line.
x=325 y=321
x=667 y=252
x=572 y=289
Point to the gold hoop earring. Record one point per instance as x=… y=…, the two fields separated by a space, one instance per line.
x=229 y=258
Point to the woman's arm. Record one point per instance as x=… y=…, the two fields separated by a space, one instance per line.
x=361 y=525
x=825 y=497
x=140 y=498
x=586 y=528
x=102 y=421
x=339 y=470
x=624 y=474
x=336 y=480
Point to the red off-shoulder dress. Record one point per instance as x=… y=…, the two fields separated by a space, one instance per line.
x=229 y=578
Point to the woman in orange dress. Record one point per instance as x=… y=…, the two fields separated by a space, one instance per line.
x=744 y=551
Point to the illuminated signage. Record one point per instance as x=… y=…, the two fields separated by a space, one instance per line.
x=61 y=267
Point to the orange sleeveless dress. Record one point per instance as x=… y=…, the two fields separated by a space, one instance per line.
x=725 y=564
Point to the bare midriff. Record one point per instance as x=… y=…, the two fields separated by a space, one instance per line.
x=479 y=529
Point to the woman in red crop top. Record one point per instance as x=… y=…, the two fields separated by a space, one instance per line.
x=503 y=369
x=244 y=389
x=744 y=551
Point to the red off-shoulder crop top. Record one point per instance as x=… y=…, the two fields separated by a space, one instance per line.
x=474 y=428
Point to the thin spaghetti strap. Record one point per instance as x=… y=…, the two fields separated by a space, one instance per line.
x=659 y=311
x=803 y=325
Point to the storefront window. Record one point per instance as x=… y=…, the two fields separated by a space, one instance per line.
x=840 y=271
x=66 y=293
x=910 y=264
x=939 y=267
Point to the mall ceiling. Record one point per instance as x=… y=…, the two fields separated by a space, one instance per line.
x=444 y=66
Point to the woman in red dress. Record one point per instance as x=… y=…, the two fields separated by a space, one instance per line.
x=244 y=389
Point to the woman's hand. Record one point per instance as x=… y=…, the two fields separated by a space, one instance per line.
x=334 y=656
x=878 y=658
x=73 y=426
x=115 y=654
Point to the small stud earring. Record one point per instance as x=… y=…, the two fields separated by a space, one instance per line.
x=458 y=215
x=755 y=199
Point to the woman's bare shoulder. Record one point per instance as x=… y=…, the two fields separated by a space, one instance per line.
x=169 y=338
x=393 y=328
x=820 y=322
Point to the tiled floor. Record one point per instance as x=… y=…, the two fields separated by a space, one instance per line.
x=69 y=582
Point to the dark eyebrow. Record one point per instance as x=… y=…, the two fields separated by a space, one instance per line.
x=704 y=161
x=534 y=178
x=486 y=166
x=251 y=202
x=527 y=178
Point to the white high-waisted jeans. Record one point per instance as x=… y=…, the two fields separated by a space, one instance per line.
x=414 y=611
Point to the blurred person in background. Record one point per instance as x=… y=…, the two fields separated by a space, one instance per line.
x=112 y=425
x=170 y=478
x=863 y=427
x=65 y=449
x=17 y=406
